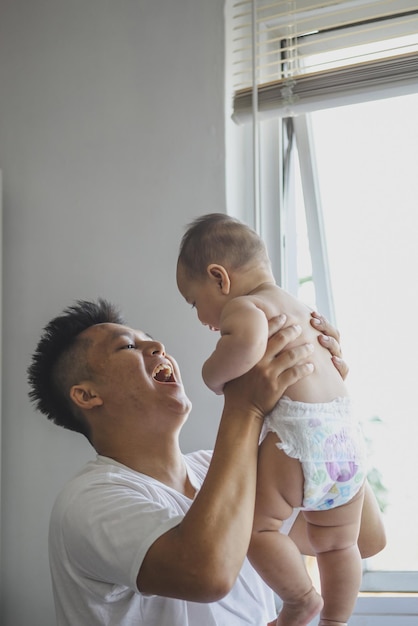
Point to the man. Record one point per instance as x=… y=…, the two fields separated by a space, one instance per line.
x=145 y=534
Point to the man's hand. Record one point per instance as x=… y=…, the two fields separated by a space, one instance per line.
x=330 y=339
x=279 y=368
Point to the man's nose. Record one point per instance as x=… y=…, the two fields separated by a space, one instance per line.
x=154 y=347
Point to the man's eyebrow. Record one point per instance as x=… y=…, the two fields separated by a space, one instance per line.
x=120 y=332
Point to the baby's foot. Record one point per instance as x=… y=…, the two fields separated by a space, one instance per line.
x=300 y=612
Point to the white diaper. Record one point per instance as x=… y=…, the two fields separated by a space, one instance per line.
x=328 y=443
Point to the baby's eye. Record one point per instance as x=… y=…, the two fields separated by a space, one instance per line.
x=193 y=305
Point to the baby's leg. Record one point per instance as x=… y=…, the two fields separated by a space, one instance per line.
x=372 y=536
x=333 y=535
x=275 y=556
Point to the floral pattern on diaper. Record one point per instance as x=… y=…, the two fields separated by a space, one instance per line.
x=329 y=445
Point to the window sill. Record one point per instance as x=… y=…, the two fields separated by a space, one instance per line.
x=386 y=609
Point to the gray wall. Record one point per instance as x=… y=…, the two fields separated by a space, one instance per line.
x=111 y=140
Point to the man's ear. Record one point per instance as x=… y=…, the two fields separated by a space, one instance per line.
x=85 y=397
x=220 y=275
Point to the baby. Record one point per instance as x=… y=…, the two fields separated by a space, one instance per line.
x=311 y=452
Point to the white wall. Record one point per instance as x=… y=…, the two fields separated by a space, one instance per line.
x=111 y=140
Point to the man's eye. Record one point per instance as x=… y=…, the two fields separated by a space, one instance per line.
x=193 y=305
x=129 y=346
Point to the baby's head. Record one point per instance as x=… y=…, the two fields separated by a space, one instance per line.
x=215 y=263
x=218 y=238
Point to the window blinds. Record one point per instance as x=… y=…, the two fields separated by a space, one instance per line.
x=296 y=56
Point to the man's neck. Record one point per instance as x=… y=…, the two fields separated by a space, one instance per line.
x=163 y=462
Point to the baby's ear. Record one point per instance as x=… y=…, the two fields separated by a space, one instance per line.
x=221 y=276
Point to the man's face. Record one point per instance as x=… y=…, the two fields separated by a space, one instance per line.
x=133 y=373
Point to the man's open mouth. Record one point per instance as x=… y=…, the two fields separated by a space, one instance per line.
x=163 y=373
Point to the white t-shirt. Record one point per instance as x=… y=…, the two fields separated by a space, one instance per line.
x=103 y=523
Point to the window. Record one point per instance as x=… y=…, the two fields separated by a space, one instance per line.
x=335 y=196
x=366 y=173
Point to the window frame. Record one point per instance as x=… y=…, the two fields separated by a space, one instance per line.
x=373 y=580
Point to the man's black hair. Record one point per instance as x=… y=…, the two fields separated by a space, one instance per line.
x=59 y=360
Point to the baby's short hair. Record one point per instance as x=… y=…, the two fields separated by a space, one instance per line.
x=219 y=238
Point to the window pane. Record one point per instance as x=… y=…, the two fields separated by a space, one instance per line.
x=367 y=167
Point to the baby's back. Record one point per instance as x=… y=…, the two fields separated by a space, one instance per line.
x=325 y=383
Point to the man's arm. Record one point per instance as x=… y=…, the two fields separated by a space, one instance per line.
x=244 y=334
x=200 y=559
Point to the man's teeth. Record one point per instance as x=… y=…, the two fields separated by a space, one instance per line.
x=163 y=373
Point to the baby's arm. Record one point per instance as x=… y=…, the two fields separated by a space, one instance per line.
x=244 y=335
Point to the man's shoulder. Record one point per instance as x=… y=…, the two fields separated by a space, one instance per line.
x=103 y=478
x=97 y=479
